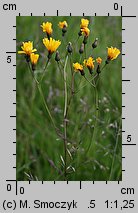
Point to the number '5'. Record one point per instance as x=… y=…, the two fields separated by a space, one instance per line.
x=8 y=59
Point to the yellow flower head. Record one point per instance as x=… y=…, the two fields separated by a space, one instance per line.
x=47 y=27
x=89 y=63
x=51 y=44
x=113 y=53
x=84 y=23
x=62 y=24
x=85 y=31
x=34 y=58
x=98 y=60
x=77 y=67
x=27 y=48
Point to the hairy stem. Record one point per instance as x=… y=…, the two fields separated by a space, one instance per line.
x=65 y=119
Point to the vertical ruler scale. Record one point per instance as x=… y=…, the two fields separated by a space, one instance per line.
x=56 y=196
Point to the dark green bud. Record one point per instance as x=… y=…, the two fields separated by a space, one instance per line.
x=64 y=29
x=90 y=70
x=98 y=69
x=80 y=33
x=57 y=57
x=81 y=50
x=69 y=48
x=95 y=43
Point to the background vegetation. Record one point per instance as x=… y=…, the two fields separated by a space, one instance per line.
x=39 y=149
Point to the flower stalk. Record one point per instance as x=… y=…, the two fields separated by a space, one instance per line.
x=65 y=118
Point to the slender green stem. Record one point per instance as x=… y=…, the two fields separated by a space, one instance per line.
x=62 y=75
x=65 y=86
x=80 y=58
x=115 y=149
x=75 y=43
x=45 y=104
x=71 y=63
x=103 y=66
x=42 y=96
x=71 y=95
x=96 y=118
x=85 y=84
x=65 y=118
x=44 y=71
x=89 y=81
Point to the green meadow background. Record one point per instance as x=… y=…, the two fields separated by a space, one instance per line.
x=39 y=149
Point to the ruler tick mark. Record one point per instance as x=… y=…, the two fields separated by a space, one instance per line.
x=126 y=80
x=128 y=16
x=10 y=52
x=80 y=185
x=121 y=10
x=129 y=144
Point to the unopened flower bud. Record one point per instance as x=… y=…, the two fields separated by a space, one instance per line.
x=57 y=57
x=90 y=70
x=80 y=33
x=64 y=30
x=95 y=43
x=98 y=69
x=69 y=47
x=81 y=50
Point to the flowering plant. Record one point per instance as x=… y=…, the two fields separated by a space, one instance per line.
x=79 y=67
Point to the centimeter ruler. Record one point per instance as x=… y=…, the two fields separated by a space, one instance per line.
x=67 y=196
